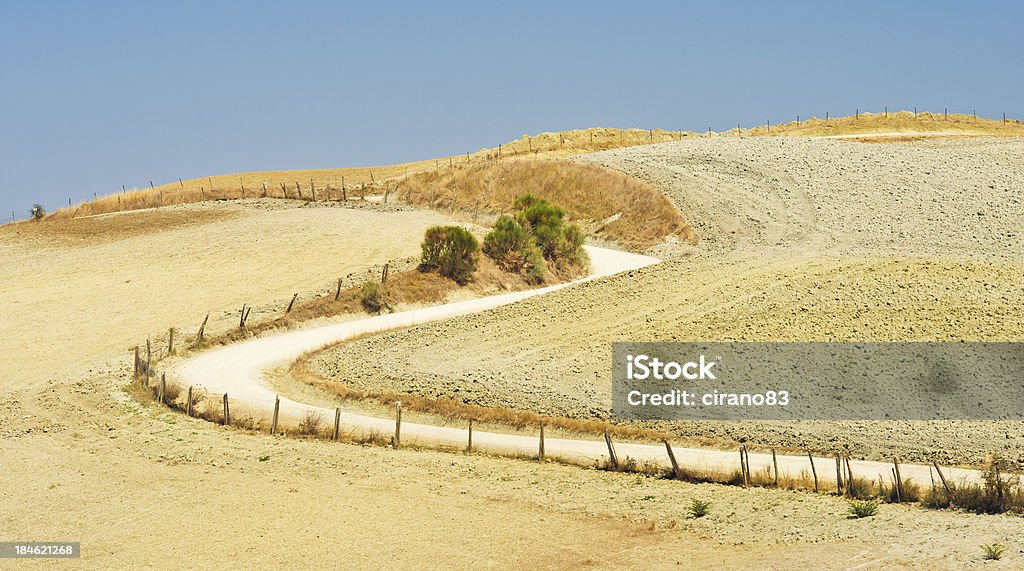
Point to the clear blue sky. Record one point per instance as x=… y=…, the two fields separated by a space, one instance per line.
x=96 y=94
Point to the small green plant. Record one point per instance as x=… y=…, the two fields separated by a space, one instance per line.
x=699 y=508
x=863 y=508
x=264 y=458
x=38 y=212
x=993 y=551
x=373 y=298
x=451 y=250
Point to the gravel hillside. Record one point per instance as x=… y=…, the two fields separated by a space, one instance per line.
x=800 y=240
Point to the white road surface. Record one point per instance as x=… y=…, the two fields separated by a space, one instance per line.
x=238 y=371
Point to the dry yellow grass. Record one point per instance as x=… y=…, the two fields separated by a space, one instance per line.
x=327 y=183
x=954 y=124
x=606 y=202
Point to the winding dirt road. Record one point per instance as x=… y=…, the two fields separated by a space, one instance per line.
x=237 y=370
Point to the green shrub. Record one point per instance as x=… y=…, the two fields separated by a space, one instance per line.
x=450 y=250
x=38 y=212
x=535 y=266
x=699 y=508
x=507 y=243
x=535 y=239
x=373 y=298
x=861 y=509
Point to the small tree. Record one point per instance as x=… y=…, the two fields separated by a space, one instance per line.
x=38 y=212
x=451 y=250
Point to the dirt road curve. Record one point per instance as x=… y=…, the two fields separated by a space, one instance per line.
x=237 y=369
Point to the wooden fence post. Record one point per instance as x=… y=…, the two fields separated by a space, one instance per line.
x=337 y=424
x=949 y=493
x=163 y=388
x=277 y=409
x=170 y=341
x=899 y=478
x=202 y=329
x=839 y=477
x=291 y=303
x=227 y=411
x=149 y=357
x=813 y=471
x=312 y=189
x=398 y=424
x=135 y=375
x=540 y=449
x=612 y=458
x=188 y=405
x=775 y=463
x=745 y=464
x=384 y=273
x=672 y=458
x=469 y=446
x=849 y=476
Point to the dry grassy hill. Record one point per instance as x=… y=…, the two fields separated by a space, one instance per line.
x=327 y=184
x=904 y=123
x=608 y=203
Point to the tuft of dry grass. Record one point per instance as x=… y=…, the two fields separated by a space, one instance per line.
x=605 y=202
x=310 y=424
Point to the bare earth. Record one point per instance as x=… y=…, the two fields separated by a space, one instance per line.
x=141 y=486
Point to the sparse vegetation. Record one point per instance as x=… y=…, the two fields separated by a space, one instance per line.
x=699 y=508
x=452 y=251
x=38 y=212
x=993 y=551
x=863 y=508
x=373 y=298
x=310 y=423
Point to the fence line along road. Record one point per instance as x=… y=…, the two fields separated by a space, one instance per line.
x=237 y=369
